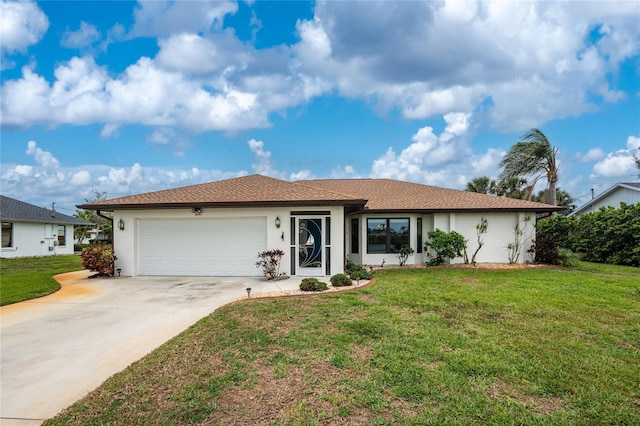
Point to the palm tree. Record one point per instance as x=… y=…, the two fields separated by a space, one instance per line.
x=482 y=184
x=532 y=157
x=564 y=199
x=513 y=187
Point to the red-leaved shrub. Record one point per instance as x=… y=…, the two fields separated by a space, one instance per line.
x=99 y=258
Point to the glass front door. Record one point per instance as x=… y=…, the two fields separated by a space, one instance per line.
x=309 y=246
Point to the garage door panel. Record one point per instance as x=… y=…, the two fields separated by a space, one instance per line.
x=224 y=247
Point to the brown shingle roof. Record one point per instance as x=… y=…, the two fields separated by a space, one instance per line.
x=388 y=194
x=241 y=191
x=378 y=194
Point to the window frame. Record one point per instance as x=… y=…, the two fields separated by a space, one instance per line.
x=387 y=234
x=10 y=232
x=62 y=238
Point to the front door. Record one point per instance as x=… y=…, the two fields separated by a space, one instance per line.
x=309 y=246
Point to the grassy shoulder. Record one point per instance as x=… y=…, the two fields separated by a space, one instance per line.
x=419 y=346
x=26 y=278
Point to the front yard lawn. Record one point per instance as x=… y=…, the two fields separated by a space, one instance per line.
x=419 y=346
x=25 y=278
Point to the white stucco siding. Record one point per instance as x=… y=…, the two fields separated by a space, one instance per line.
x=37 y=239
x=127 y=243
x=500 y=233
x=614 y=199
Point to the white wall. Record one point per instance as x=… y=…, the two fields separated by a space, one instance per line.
x=37 y=239
x=615 y=198
x=500 y=233
x=125 y=242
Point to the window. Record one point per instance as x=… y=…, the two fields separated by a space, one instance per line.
x=7 y=234
x=419 y=242
x=355 y=236
x=62 y=239
x=387 y=235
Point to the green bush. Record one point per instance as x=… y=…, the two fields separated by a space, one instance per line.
x=100 y=259
x=362 y=274
x=341 y=280
x=447 y=245
x=608 y=235
x=313 y=284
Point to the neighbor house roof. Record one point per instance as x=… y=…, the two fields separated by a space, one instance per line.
x=389 y=194
x=367 y=194
x=242 y=191
x=12 y=210
x=633 y=186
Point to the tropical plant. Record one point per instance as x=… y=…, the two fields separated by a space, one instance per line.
x=514 y=248
x=563 y=199
x=481 y=229
x=101 y=223
x=269 y=262
x=512 y=187
x=447 y=245
x=404 y=253
x=532 y=157
x=482 y=185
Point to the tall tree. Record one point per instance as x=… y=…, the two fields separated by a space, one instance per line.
x=512 y=187
x=532 y=158
x=564 y=199
x=482 y=184
x=103 y=225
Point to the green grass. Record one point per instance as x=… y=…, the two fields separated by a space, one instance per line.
x=417 y=347
x=26 y=278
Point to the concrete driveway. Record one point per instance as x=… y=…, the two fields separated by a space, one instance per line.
x=58 y=348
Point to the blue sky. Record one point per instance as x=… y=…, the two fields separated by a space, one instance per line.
x=129 y=97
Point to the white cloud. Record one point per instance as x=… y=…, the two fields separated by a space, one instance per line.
x=619 y=163
x=521 y=63
x=22 y=24
x=85 y=36
x=44 y=158
x=594 y=154
x=161 y=18
x=80 y=178
x=426 y=151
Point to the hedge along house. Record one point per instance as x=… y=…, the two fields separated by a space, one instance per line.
x=218 y=228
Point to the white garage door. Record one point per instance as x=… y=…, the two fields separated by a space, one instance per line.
x=201 y=247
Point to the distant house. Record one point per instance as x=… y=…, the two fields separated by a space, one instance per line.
x=29 y=230
x=628 y=193
x=218 y=228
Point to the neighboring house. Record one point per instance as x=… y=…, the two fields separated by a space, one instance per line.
x=28 y=230
x=621 y=192
x=218 y=228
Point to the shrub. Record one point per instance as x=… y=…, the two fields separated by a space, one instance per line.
x=567 y=258
x=403 y=254
x=313 y=284
x=447 y=245
x=546 y=249
x=341 y=280
x=100 y=259
x=362 y=274
x=560 y=227
x=269 y=261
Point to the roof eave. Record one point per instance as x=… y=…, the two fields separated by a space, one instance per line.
x=291 y=203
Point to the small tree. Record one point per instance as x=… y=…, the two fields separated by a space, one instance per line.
x=481 y=229
x=404 y=253
x=447 y=245
x=514 y=248
x=269 y=261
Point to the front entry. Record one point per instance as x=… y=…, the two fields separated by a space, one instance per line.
x=310 y=258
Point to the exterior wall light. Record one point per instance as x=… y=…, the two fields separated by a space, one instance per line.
x=196 y=211
x=121 y=225
x=278 y=222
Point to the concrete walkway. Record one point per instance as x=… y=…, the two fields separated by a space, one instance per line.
x=57 y=348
